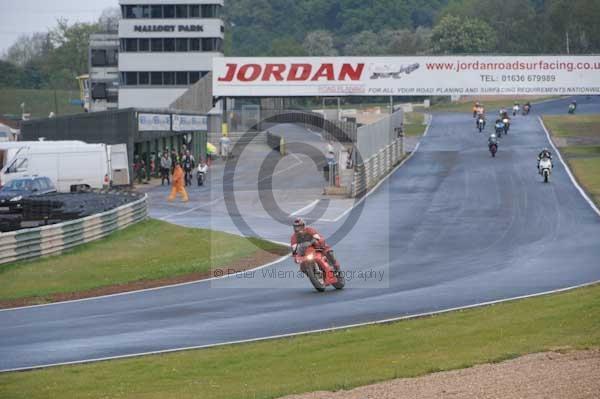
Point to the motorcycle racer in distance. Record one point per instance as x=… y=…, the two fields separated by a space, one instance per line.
x=303 y=234
x=545 y=153
x=476 y=109
x=493 y=144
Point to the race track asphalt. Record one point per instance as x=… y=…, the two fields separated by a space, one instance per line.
x=452 y=227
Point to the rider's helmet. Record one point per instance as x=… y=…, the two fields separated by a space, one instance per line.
x=299 y=225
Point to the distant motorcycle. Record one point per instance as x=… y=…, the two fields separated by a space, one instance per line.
x=480 y=123
x=526 y=109
x=506 y=123
x=500 y=129
x=545 y=168
x=515 y=109
x=572 y=108
x=201 y=174
x=200 y=178
x=493 y=147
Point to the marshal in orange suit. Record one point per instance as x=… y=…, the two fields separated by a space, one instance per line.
x=178 y=185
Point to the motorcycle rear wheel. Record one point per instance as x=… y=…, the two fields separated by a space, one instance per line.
x=341 y=281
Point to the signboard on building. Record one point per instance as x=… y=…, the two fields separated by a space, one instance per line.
x=407 y=76
x=188 y=123
x=154 y=122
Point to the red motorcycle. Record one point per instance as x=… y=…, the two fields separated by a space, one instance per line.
x=315 y=265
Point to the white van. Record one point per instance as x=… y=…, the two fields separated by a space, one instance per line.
x=71 y=165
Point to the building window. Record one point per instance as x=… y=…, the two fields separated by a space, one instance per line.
x=99 y=91
x=112 y=57
x=156 y=78
x=194 y=77
x=182 y=45
x=194 y=44
x=144 y=78
x=182 y=78
x=210 y=11
x=195 y=11
x=169 y=78
x=99 y=58
x=144 y=45
x=169 y=44
x=181 y=11
x=168 y=11
x=137 y=12
x=156 y=45
x=131 y=79
x=156 y=12
x=210 y=44
x=131 y=45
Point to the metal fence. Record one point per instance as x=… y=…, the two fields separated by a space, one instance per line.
x=340 y=131
x=372 y=138
x=368 y=173
x=54 y=239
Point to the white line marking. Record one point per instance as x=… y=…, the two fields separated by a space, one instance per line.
x=573 y=180
x=322 y=330
x=164 y=218
x=307 y=207
x=157 y=288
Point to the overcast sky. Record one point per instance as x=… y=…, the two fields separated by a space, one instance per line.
x=28 y=16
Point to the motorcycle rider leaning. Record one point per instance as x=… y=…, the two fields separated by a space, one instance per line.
x=303 y=234
x=545 y=153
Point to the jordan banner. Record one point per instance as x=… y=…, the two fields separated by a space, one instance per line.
x=406 y=76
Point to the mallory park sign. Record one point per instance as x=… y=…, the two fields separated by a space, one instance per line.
x=406 y=76
x=168 y=28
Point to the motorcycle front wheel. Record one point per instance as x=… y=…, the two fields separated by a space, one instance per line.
x=315 y=275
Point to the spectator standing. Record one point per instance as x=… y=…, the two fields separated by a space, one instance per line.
x=225 y=144
x=178 y=185
x=165 y=166
x=174 y=160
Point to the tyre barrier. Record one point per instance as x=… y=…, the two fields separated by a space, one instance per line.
x=54 y=239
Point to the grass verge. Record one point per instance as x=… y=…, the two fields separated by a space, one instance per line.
x=584 y=160
x=38 y=102
x=414 y=123
x=149 y=250
x=333 y=361
x=574 y=125
x=489 y=104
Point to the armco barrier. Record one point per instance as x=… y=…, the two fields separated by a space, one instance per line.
x=53 y=239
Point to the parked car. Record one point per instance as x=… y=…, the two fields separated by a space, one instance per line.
x=12 y=194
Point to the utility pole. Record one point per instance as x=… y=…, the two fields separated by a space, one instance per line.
x=567 y=35
x=55 y=104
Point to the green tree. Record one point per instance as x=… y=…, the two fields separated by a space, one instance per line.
x=365 y=43
x=456 y=35
x=286 y=47
x=407 y=42
x=319 y=43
